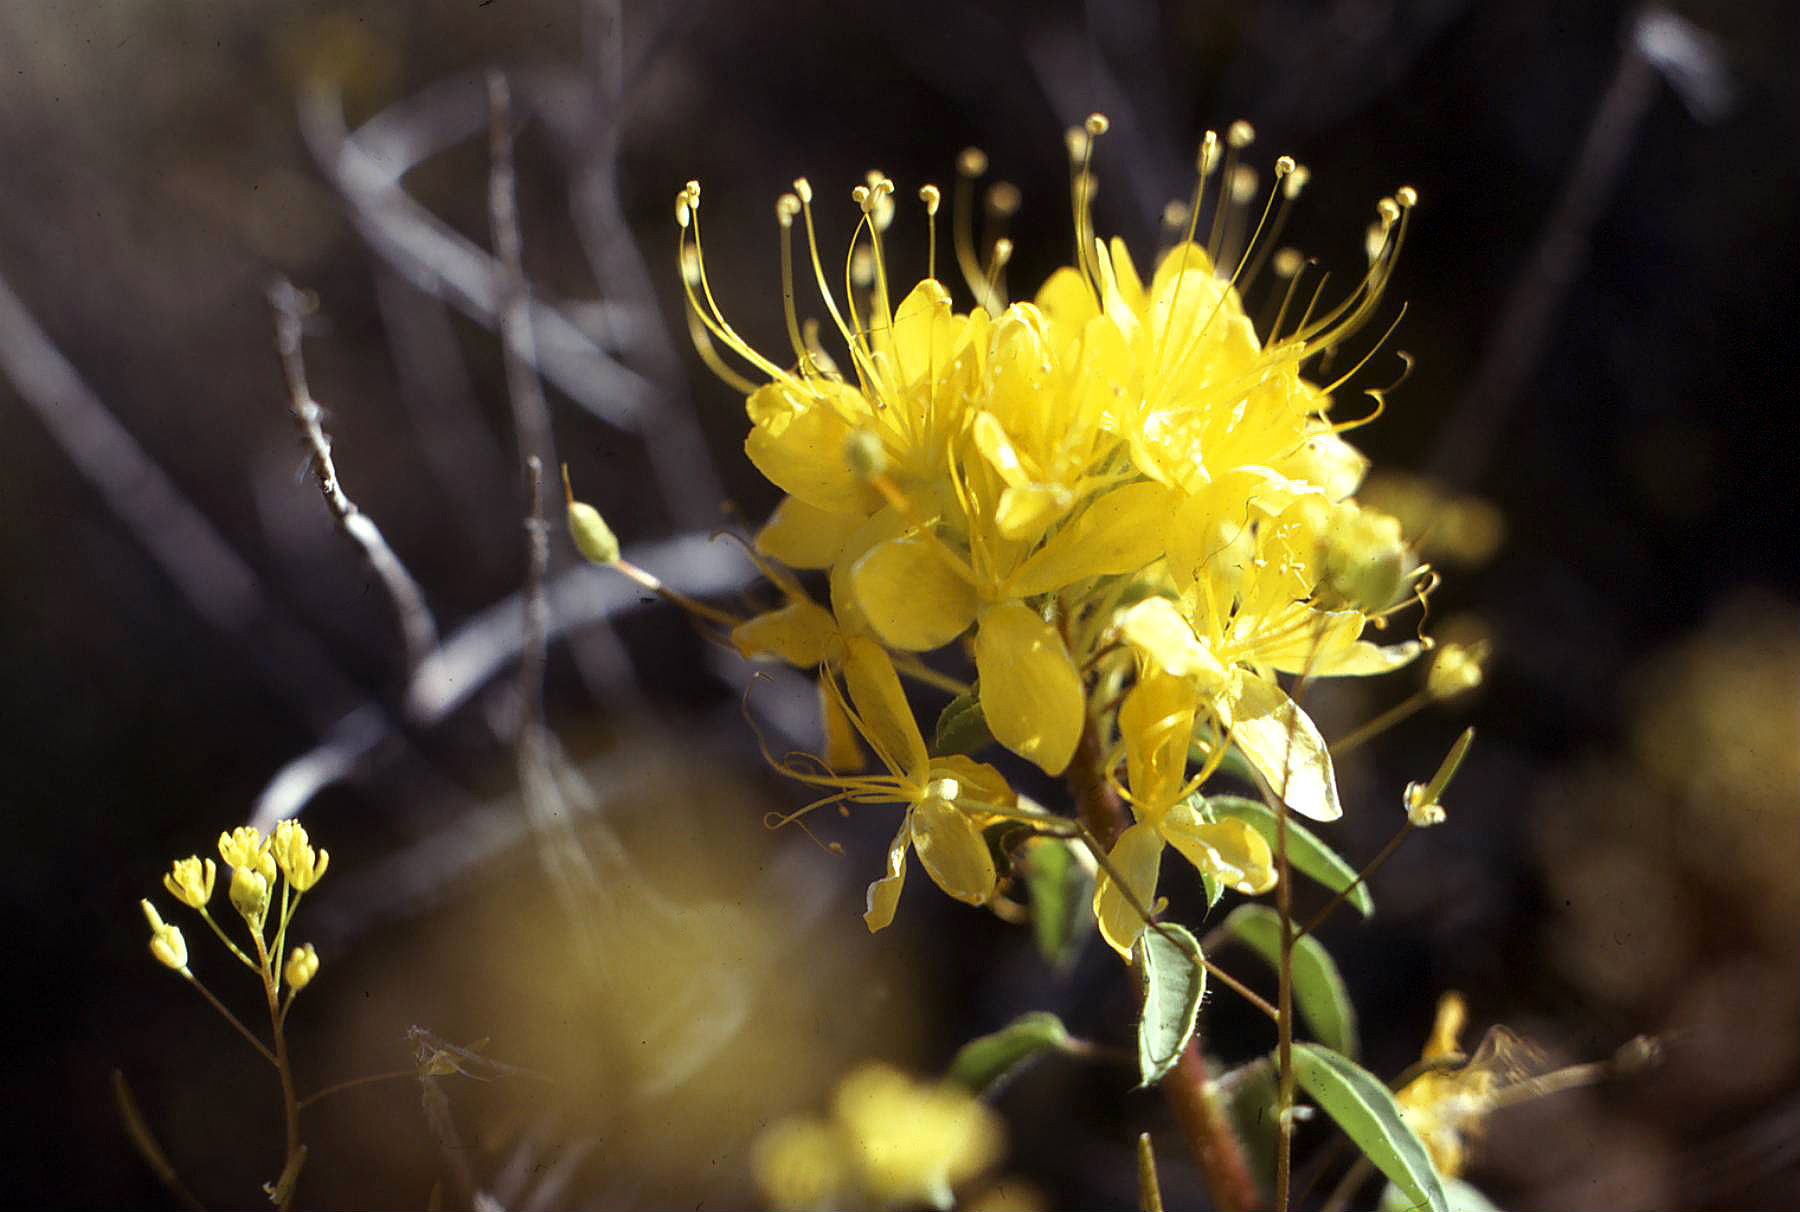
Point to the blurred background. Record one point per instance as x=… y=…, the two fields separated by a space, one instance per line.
x=1600 y=295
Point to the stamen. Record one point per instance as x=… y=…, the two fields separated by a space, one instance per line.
x=1292 y=178
x=1238 y=136
x=929 y=195
x=970 y=166
x=787 y=208
x=803 y=189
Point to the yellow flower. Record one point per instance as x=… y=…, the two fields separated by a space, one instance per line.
x=946 y=799
x=1157 y=721
x=166 y=941
x=294 y=854
x=891 y=1142
x=302 y=966
x=1448 y=1107
x=246 y=848
x=191 y=881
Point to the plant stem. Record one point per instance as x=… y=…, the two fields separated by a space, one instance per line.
x=1188 y=1086
x=233 y=1019
x=353 y=1083
x=290 y=1101
x=1284 y=1022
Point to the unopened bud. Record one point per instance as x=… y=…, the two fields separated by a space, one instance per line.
x=250 y=895
x=1457 y=670
x=302 y=966
x=594 y=539
x=166 y=941
x=1421 y=811
x=1363 y=560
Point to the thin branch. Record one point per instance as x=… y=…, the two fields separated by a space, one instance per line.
x=530 y=411
x=211 y=577
x=417 y=628
x=480 y=650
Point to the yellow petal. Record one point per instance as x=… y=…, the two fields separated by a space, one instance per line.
x=800 y=633
x=911 y=596
x=1119 y=532
x=842 y=753
x=881 y=706
x=980 y=783
x=805 y=536
x=1136 y=856
x=952 y=850
x=1155 y=628
x=884 y=893
x=1157 y=723
x=1229 y=851
x=798 y=444
x=1283 y=744
x=1030 y=689
x=920 y=346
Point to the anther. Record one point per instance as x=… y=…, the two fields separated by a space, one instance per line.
x=972 y=163
x=1407 y=197
x=803 y=188
x=1285 y=165
x=1240 y=134
x=1208 y=159
x=787 y=208
x=1003 y=251
x=1003 y=199
x=861 y=196
x=1077 y=140
x=931 y=197
x=1288 y=262
x=1389 y=210
x=682 y=209
x=1097 y=125
x=1175 y=214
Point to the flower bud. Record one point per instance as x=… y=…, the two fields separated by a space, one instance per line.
x=250 y=895
x=191 y=881
x=594 y=539
x=302 y=966
x=166 y=941
x=302 y=865
x=1363 y=560
x=1423 y=813
x=1457 y=670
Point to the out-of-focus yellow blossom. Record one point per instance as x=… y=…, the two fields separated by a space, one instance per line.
x=1448 y=1108
x=948 y=799
x=166 y=941
x=1456 y=670
x=1157 y=720
x=891 y=1142
x=294 y=854
x=191 y=881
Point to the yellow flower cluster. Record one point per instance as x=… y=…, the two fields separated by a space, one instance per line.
x=890 y=1142
x=1114 y=494
x=257 y=866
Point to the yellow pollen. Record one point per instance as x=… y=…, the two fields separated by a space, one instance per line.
x=1285 y=165
x=803 y=189
x=929 y=195
x=1208 y=159
x=1240 y=134
x=1097 y=124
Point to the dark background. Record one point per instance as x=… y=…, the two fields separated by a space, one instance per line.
x=1601 y=296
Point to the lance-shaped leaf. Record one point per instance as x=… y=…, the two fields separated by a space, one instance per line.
x=1306 y=853
x=1318 y=988
x=1360 y=1104
x=984 y=1062
x=961 y=728
x=1173 y=982
x=1059 y=879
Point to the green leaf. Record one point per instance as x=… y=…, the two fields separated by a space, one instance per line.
x=961 y=728
x=1173 y=982
x=1252 y=1099
x=1318 y=988
x=1215 y=888
x=1462 y=1196
x=1361 y=1105
x=984 y=1062
x=1306 y=853
x=1060 y=886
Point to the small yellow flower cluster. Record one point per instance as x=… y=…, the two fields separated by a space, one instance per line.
x=1115 y=495
x=257 y=866
x=891 y=1142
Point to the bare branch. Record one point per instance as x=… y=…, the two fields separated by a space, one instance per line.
x=213 y=579
x=417 y=628
x=530 y=411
